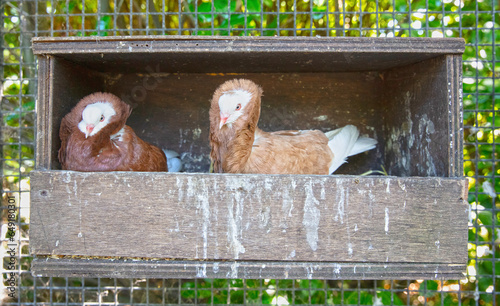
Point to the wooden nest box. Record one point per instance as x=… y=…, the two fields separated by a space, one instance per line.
x=404 y=92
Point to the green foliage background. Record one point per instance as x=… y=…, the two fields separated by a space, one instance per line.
x=476 y=21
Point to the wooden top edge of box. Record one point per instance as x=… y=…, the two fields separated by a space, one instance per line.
x=219 y=177
x=157 y=43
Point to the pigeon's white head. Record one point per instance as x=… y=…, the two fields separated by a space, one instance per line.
x=94 y=117
x=231 y=105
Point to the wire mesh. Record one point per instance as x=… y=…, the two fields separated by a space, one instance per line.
x=475 y=21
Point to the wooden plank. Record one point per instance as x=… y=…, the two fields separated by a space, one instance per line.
x=186 y=269
x=43 y=111
x=249 y=217
x=246 y=54
x=454 y=76
x=114 y=44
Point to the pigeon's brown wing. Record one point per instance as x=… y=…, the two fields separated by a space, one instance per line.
x=80 y=156
x=139 y=155
x=287 y=133
x=290 y=152
x=152 y=158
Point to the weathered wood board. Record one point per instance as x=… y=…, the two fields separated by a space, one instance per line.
x=195 y=54
x=187 y=269
x=278 y=218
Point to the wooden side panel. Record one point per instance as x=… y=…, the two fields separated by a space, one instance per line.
x=43 y=112
x=249 y=217
x=418 y=130
x=455 y=104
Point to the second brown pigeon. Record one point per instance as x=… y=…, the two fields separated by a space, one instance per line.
x=239 y=146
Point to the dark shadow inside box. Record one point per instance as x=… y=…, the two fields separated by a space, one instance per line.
x=218 y=60
x=171 y=108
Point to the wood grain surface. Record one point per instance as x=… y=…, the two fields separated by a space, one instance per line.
x=188 y=269
x=249 y=217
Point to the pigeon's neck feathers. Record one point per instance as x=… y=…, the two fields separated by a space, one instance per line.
x=232 y=144
x=118 y=136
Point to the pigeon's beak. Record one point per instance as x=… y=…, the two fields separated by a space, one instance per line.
x=223 y=119
x=89 y=129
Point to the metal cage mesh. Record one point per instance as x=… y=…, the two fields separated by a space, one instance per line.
x=476 y=21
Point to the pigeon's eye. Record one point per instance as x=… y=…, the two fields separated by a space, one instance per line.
x=238 y=107
x=102 y=118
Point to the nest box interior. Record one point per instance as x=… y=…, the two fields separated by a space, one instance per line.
x=405 y=93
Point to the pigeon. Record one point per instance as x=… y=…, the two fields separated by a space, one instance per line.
x=239 y=146
x=94 y=137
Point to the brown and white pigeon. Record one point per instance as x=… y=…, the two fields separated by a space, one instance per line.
x=239 y=146
x=94 y=137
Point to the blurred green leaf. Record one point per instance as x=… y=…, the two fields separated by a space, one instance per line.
x=484 y=267
x=387 y=297
x=222 y=6
x=253 y=5
x=486 y=217
x=430 y=285
x=484 y=282
x=205 y=7
x=269 y=3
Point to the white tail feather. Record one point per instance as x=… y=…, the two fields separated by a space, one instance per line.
x=174 y=162
x=345 y=142
x=363 y=144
